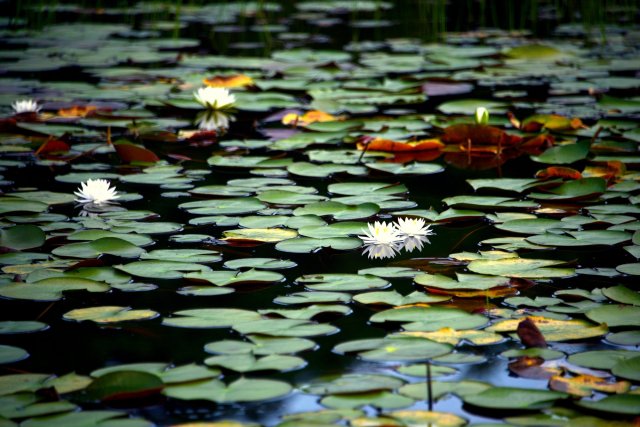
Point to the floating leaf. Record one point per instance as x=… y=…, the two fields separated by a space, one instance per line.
x=267 y=235
x=233 y=278
x=341 y=282
x=10 y=354
x=210 y=318
x=241 y=390
x=161 y=269
x=109 y=314
x=554 y=329
x=261 y=345
x=618 y=404
x=514 y=398
x=20 y=237
x=303 y=245
x=124 y=385
x=284 y=328
x=615 y=315
x=249 y=363
x=395 y=349
x=50 y=289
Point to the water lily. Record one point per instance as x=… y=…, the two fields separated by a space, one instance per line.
x=25 y=106
x=482 y=116
x=381 y=233
x=211 y=120
x=215 y=98
x=96 y=191
x=413 y=227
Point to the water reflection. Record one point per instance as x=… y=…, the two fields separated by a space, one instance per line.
x=214 y=120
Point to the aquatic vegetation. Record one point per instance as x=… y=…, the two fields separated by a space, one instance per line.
x=249 y=275
x=96 y=191
x=25 y=106
x=215 y=98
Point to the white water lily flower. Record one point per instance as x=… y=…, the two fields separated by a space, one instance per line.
x=25 y=106
x=413 y=227
x=214 y=98
x=96 y=191
x=214 y=120
x=381 y=251
x=381 y=233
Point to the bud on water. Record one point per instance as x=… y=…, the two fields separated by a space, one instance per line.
x=482 y=116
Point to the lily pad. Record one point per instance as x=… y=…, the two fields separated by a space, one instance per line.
x=341 y=282
x=10 y=354
x=514 y=398
x=241 y=390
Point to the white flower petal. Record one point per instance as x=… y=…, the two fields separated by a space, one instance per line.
x=25 y=106
x=214 y=98
x=96 y=191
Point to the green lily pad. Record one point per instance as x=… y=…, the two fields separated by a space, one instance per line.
x=395 y=349
x=520 y=267
x=124 y=385
x=233 y=278
x=27 y=405
x=21 y=326
x=514 y=398
x=154 y=269
x=430 y=318
x=341 y=282
x=358 y=188
x=10 y=354
x=396 y=299
x=267 y=235
x=379 y=399
x=249 y=363
x=615 y=315
x=628 y=368
x=95 y=248
x=210 y=318
x=231 y=206
x=50 y=289
x=20 y=237
x=307 y=313
x=324 y=170
x=619 y=404
x=625 y=338
x=109 y=314
x=313 y=297
x=18 y=204
x=390 y=272
x=338 y=229
x=280 y=197
x=90 y=235
x=303 y=245
x=260 y=263
x=241 y=390
x=284 y=328
x=415 y=168
x=601 y=359
x=261 y=345
x=578 y=189
x=86 y=418
x=183 y=255
x=339 y=211
x=564 y=154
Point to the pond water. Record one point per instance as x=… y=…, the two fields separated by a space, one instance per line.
x=398 y=214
